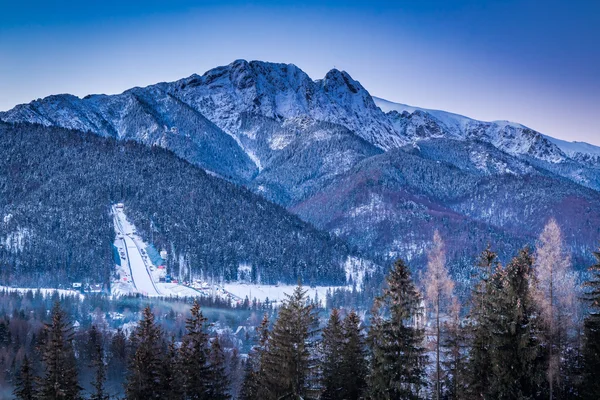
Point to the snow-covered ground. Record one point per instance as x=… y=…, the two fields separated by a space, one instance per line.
x=44 y=291
x=574 y=148
x=137 y=274
x=275 y=293
x=129 y=244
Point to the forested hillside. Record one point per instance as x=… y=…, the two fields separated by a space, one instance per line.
x=378 y=174
x=57 y=186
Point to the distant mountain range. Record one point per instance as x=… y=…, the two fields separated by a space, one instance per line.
x=378 y=174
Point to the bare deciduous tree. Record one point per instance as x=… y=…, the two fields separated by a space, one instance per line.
x=438 y=292
x=554 y=294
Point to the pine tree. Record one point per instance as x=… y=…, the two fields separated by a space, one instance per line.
x=555 y=297
x=171 y=373
x=353 y=364
x=516 y=366
x=479 y=364
x=396 y=340
x=218 y=387
x=98 y=364
x=194 y=356
x=254 y=376
x=118 y=358
x=249 y=389
x=455 y=355
x=590 y=387
x=59 y=381
x=332 y=347
x=145 y=378
x=438 y=291
x=24 y=388
x=290 y=362
x=236 y=372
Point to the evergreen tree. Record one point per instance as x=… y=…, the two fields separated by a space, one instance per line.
x=353 y=364
x=118 y=358
x=194 y=357
x=236 y=373
x=145 y=378
x=24 y=388
x=171 y=367
x=455 y=355
x=98 y=364
x=590 y=388
x=255 y=367
x=218 y=386
x=396 y=339
x=59 y=381
x=333 y=380
x=289 y=363
x=249 y=389
x=479 y=364
x=517 y=371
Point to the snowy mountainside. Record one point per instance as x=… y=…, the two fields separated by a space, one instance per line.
x=379 y=174
x=56 y=191
x=513 y=138
x=150 y=116
x=579 y=151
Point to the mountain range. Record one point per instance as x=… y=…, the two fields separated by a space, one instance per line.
x=379 y=175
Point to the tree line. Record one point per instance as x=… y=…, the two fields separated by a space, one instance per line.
x=520 y=335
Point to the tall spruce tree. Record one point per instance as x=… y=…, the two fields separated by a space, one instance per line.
x=517 y=370
x=454 y=355
x=171 y=367
x=145 y=378
x=118 y=355
x=60 y=379
x=590 y=387
x=99 y=392
x=396 y=338
x=479 y=364
x=194 y=357
x=254 y=370
x=333 y=379
x=218 y=386
x=24 y=387
x=353 y=365
x=290 y=362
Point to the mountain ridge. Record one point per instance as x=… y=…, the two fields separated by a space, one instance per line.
x=302 y=143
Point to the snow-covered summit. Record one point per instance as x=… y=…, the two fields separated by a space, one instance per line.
x=283 y=92
x=215 y=107
x=513 y=138
x=580 y=151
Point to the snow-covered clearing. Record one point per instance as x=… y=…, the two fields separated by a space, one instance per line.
x=46 y=292
x=276 y=293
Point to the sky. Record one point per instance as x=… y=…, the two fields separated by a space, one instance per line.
x=530 y=61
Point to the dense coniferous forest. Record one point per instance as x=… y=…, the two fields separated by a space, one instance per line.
x=516 y=336
x=57 y=186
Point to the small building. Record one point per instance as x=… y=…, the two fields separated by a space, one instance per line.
x=120 y=206
x=95 y=288
x=76 y=285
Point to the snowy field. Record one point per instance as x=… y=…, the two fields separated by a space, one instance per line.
x=275 y=293
x=45 y=292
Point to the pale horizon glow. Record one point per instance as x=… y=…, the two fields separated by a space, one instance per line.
x=492 y=62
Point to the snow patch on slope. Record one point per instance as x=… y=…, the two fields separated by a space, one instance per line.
x=576 y=149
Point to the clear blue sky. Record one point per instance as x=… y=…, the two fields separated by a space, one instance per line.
x=536 y=62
